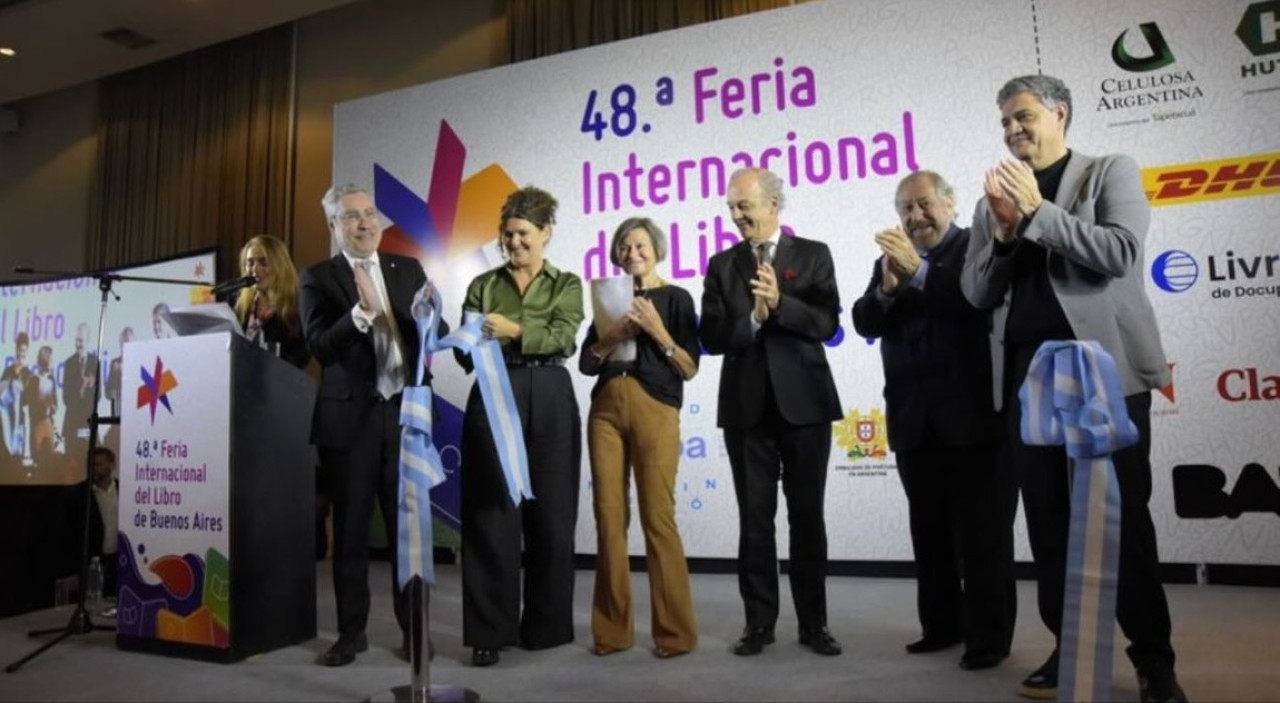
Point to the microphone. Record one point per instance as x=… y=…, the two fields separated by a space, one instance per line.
x=639 y=284
x=233 y=286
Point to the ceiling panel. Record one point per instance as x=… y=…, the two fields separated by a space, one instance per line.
x=58 y=42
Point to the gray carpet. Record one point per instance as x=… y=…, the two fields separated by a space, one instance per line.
x=1227 y=639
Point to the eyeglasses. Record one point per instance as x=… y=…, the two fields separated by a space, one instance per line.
x=351 y=217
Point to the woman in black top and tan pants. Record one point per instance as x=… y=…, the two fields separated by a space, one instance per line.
x=634 y=423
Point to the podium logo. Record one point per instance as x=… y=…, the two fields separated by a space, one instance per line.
x=1159 y=57
x=155 y=388
x=863 y=436
x=1200 y=492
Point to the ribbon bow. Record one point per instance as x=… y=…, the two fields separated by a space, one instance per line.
x=1072 y=397
x=421 y=468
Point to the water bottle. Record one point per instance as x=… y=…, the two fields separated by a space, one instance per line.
x=93 y=591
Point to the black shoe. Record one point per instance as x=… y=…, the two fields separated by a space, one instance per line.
x=753 y=641
x=927 y=644
x=974 y=661
x=344 y=651
x=484 y=657
x=1042 y=684
x=1158 y=684
x=821 y=642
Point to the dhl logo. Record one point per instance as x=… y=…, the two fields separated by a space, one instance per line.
x=1238 y=177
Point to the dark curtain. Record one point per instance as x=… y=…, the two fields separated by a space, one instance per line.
x=544 y=27
x=196 y=151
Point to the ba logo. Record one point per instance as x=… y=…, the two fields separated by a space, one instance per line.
x=1175 y=271
x=1200 y=492
x=863 y=436
x=1159 y=57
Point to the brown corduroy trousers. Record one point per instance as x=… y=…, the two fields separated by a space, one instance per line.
x=628 y=429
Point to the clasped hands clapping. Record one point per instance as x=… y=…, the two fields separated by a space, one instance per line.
x=899 y=261
x=641 y=317
x=1012 y=194
x=764 y=288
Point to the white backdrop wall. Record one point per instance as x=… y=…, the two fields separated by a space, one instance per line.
x=843 y=99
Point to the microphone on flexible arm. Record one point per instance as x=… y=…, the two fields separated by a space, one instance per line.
x=234 y=285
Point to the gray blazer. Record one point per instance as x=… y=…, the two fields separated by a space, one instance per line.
x=1094 y=232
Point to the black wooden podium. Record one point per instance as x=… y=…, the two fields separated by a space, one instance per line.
x=261 y=594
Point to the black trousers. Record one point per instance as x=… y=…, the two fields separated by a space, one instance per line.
x=962 y=502
x=759 y=457
x=369 y=470
x=494 y=528
x=1044 y=475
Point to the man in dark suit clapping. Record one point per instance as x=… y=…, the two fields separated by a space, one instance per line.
x=355 y=310
x=768 y=305
x=78 y=373
x=942 y=426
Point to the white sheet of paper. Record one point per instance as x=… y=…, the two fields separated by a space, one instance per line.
x=203 y=319
x=610 y=301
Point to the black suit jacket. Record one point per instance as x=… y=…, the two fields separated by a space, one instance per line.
x=349 y=369
x=72 y=526
x=788 y=349
x=937 y=363
x=77 y=400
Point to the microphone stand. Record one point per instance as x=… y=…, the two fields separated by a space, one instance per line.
x=80 y=622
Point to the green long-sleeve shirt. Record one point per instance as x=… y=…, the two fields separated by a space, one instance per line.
x=550 y=312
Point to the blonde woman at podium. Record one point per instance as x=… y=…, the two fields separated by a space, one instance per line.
x=268 y=310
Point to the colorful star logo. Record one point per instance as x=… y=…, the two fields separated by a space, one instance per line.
x=155 y=388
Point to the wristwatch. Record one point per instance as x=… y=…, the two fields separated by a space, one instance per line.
x=669 y=352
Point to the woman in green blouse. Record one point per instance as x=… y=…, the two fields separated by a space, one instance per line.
x=534 y=310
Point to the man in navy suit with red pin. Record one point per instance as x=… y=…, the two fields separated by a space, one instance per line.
x=355 y=310
x=768 y=304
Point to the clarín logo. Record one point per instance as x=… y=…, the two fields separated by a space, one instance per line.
x=155 y=388
x=863 y=436
x=1248 y=384
x=1158 y=57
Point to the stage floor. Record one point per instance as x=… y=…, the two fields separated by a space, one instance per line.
x=1226 y=638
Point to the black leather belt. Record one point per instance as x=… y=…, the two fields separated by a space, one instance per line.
x=533 y=360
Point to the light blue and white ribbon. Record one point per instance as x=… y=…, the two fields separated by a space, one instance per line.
x=421 y=468
x=1073 y=397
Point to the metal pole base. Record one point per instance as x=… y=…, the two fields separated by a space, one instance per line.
x=420 y=689
x=436 y=694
